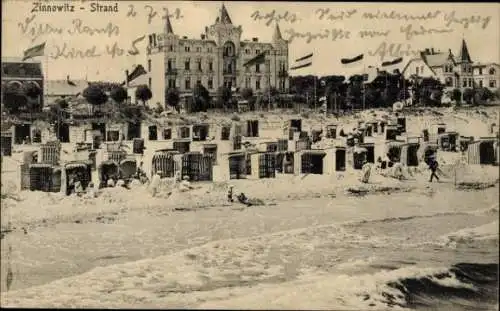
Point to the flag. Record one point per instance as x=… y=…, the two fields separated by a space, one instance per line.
x=259 y=59
x=303 y=62
x=70 y=82
x=137 y=72
x=38 y=50
x=392 y=62
x=350 y=62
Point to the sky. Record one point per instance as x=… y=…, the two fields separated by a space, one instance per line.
x=334 y=31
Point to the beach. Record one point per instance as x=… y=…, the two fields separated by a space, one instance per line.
x=319 y=242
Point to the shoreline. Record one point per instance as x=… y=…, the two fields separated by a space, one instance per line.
x=54 y=208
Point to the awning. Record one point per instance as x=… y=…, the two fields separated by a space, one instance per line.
x=313 y=152
x=41 y=165
x=108 y=163
x=128 y=161
x=360 y=150
x=75 y=165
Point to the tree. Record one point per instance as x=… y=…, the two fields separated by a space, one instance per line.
x=484 y=94
x=172 y=98
x=95 y=95
x=468 y=95
x=247 y=93
x=32 y=90
x=224 y=96
x=201 y=98
x=159 y=108
x=143 y=93
x=456 y=95
x=118 y=94
x=14 y=99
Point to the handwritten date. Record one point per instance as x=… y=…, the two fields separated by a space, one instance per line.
x=151 y=13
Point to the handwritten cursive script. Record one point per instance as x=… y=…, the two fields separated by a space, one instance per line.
x=273 y=16
x=401 y=16
x=333 y=34
x=326 y=14
x=34 y=30
x=409 y=32
x=393 y=50
x=80 y=28
x=451 y=18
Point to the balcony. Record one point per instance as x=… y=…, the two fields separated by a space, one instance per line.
x=171 y=71
x=282 y=73
x=230 y=72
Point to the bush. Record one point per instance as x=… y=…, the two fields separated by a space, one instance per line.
x=95 y=95
x=32 y=90
x=143 y=93
x=172 y=98
x=118 y=94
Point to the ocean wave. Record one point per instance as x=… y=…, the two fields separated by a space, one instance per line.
x=485 y=232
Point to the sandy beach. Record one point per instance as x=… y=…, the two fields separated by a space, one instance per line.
x=196 y=250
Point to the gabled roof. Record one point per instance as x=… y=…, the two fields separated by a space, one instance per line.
x=139 y=81
x=277 y=33
x=65 y=88
x=437 y=59
x=463 y=55
x=224 y=16
x=416 y=60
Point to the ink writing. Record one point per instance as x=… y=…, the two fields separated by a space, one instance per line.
x=451 y=18
x=325 y=14
x=410 y=32
x=391 y=50
x=274 y=17
x=152 y=13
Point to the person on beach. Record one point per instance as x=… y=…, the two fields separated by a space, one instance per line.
x=91 y=193
x=230 y=194
x=185 y=185
x=433 y=166
x=365 y=171
x=78 y=187
x=155 y=183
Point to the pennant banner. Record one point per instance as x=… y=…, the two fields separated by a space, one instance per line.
x=392 y=62
x=35 y=51
x=348 y=61
x=302 y=62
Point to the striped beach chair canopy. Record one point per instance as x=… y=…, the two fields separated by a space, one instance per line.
x=77 y=164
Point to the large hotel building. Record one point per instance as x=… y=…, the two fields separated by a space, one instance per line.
x=217 y=58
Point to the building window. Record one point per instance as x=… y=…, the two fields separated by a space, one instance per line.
x=257 y=51
x=169 y=64
x=149 y=82
x=149 y=65
x=198 y=82
x=198 y=49
x=493 y=83
x=210 y=66
x=247 y=82
x=187 y=83
x=209 y=50
x=464 y=83
x=247 y=51
x=480 y=71
x=449 y=82
x=257 y=84
x=170 y=48
x=199 y=64
x=492 y=71
x=210 y=83
x=171 y=83
x=229 y=68
x=480 y=83
x=167 y=134
x=471 y=82
x=187 y=49
x=416 y=70
x=187 y=65
x=257 y=68
x=421 y=69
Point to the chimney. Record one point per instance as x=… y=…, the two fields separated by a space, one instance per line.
x=255 y=39
x=67 y=77
x=150 y=40
x=202 y=37
x=184 y=37
x=427 y=52
x=126 y=77
x=432 y=51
